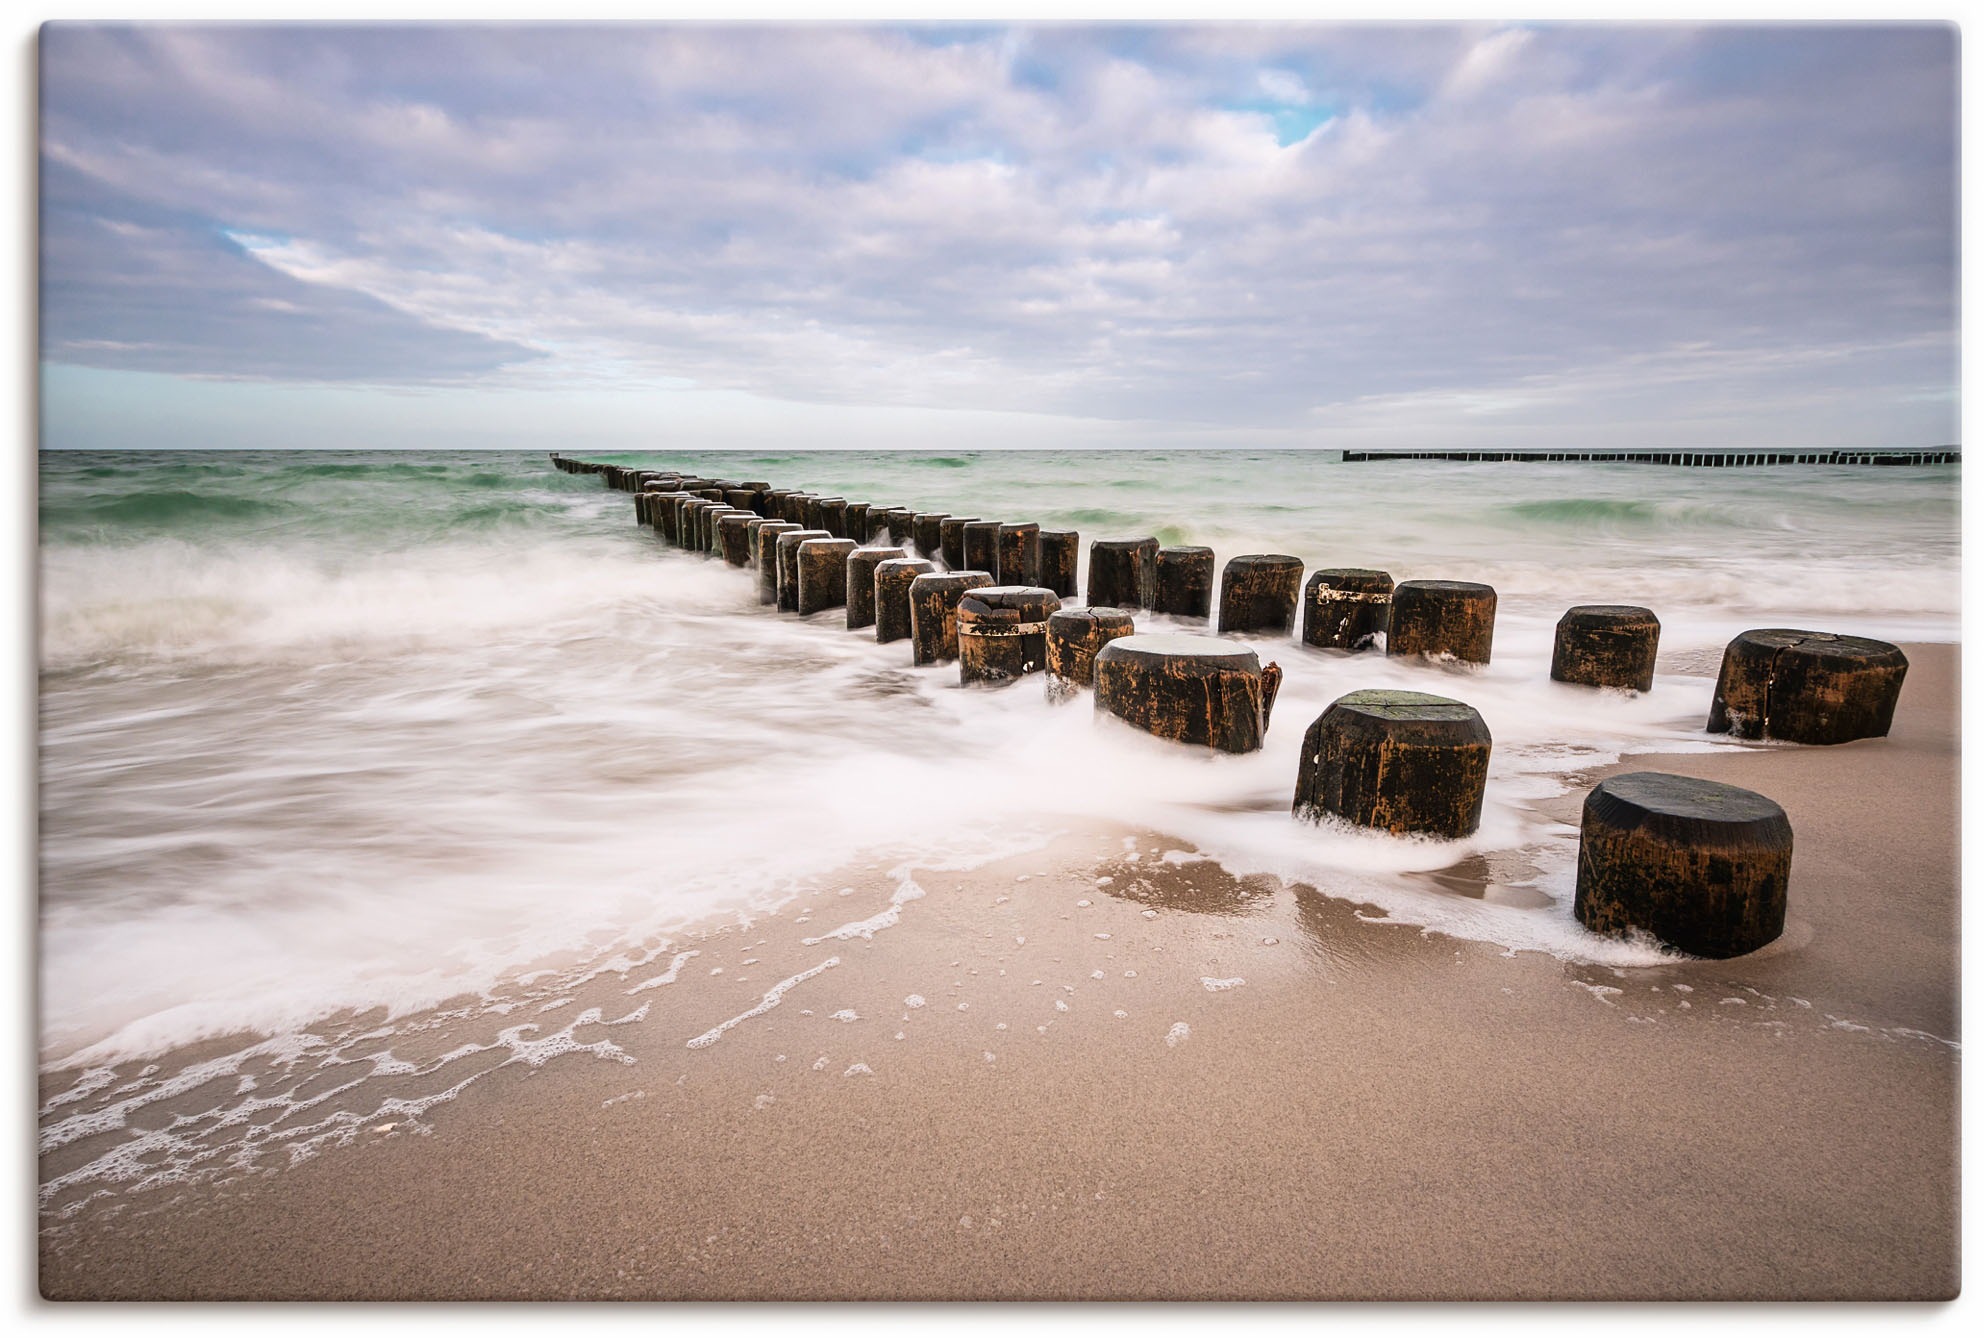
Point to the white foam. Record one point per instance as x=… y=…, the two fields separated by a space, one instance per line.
x=773 y=997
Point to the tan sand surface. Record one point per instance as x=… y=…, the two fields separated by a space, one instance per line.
x=1086 y=1104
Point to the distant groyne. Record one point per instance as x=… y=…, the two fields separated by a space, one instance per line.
x=1693 y=459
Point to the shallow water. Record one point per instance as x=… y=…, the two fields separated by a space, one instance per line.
x=324 y=733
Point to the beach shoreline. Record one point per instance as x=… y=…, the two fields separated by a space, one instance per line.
x=1129 y=1074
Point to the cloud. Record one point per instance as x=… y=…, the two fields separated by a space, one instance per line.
x=1100 y=222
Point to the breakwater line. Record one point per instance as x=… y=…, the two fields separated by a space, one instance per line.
x=1692 y=459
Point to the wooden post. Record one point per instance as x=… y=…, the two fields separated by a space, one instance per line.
x=1074 y=637
x=933 y=613
x=981 y=547
x=950 y=541
x=1258 y=593
x=1122 y=573
x=1807 y=687
x=822 y=565
x=1059 y=551
x=1435 y=618
x=1191 y=689
x=1702 y=866
x=893 y=577
x=1019 y=554
x=1346 y=608
x=1606 y=646
x=1184 y=582
x=1403 y=762
x=1002 y=632
x=787 y=547
x=861 y=564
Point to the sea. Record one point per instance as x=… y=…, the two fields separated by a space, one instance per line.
x=393 y=736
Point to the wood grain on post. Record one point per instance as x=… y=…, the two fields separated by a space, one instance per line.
x=1701 y=866
x=1258 y=592
x=1435 y=618
x=893 y=577
x=1002 y=632
x=1122 y=573
x=1019 y=554
x=1346 y=608
x=933 y=613
x=1403 y=762
x=1606 y=646
x=861 y=564
x=1184 y=582
x=1074 y=637
x=1060 y=550
x=857 y=522
x=822 y=565
x=767 y=541
x=1807 y=687
x=833 y=516
x=787 y=548
x=1190 y=689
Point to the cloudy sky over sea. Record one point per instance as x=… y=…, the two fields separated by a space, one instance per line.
x=967 y=236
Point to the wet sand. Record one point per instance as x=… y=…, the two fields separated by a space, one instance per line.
x=1178 y=1084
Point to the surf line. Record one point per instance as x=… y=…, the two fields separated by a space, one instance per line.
x=773 y=997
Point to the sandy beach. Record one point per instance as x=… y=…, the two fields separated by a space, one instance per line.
x=1111 y=1070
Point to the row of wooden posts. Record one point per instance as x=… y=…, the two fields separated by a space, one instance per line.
x=1701 y=866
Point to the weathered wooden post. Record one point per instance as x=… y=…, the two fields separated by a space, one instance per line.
x=1346 y=608
x=1002 y=632
x=1191 y=689
x=1060 y=550
x=861 y=564
x=1074 y=637
x=950 y=541
x=1019 y=554
x=787 y=548
x=925 y=529
x=857 y=522
x=981 y=547
x=933 y=613
x=1436 y=618
x=1404 y=762
x=1184 y=582
x=1704 y=867
x=822 y=567
x=1806 y=687
x=893 y=577
x=663 y=510
x=744 y=499
x=1606 y=646
x=730 y=537
x=1258 y=593
x=1122 y=573
x=713 y=519
x=751 y=529
x=833 y=516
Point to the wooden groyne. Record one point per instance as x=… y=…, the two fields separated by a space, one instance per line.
x=1691 y=459
x=1658 y=854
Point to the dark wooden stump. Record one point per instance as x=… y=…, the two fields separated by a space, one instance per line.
x=1060 y=550
x=1074 y=636
x=893 y=577
x=1258 y=593
x=1606 y=646
x=1346 y=608
x=1701 y=866
x=1019 y=554
x=925 y=527
x=981 y=547
x=730 y=534
x=713 y=527
x=767 y=541
x=861 y=564
x=857 y=522
x=933 y=613
x=744 y=499
x=1002 y=632
x=1806 y=687
x=662 y=512
x=1403 y=762
x=950 y=541
x=1436 y=618
x=1122 y=573
x=787 y=548
x=751 y=529
x=1184 y=582
x=833 y=516
x=822 y=565
x=1190 y=689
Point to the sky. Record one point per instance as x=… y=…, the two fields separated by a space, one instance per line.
x=778 y=236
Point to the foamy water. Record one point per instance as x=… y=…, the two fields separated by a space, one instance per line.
x=328 y=733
